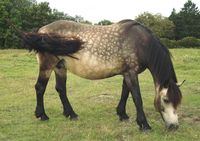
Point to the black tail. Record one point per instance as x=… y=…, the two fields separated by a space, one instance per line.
x=51 y=43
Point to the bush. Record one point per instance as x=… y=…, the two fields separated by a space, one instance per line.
x=189 y=42
x=169 y=43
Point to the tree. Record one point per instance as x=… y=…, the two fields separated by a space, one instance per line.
x=26 y=15
x=80 y=19
x=57 y=15
x=12 y=10
x=161 y=26
x=36 y=15
x=105 y=22
x=186 y=21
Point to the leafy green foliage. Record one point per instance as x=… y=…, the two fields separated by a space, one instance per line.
x=105 y=22
x=187 y=42
x=161 y=26
x=80 y=19
x=26 y=15
x=169 y=43
x=186 y=21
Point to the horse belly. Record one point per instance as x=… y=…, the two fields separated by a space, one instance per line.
x=92 y=67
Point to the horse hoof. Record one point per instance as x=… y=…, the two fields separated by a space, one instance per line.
x=145 y=128
x=74 y=117
x=71 y=115
x=66 y=114
x=123 y=117
x=42 y=117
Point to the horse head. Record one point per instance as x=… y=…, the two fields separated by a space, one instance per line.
x=166 y=102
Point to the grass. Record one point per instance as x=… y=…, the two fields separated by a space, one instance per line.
x=94 y=101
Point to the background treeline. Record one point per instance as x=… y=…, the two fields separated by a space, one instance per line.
x=180 y=29
x=27 y=15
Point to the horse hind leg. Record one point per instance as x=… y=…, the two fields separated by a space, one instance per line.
x=46 y=64
x=40 y=87
x=121 y=108
x=61 y=76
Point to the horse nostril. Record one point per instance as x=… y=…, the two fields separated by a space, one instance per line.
x=172 y=127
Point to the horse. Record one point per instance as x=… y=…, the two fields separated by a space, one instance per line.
x=126 y=48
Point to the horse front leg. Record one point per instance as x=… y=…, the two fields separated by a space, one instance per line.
x=132 y=82
x=40 y=87
x=121 y=108
x=61 y=77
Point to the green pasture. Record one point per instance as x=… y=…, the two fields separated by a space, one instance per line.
x=94 y=101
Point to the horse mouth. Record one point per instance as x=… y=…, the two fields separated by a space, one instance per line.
x=172 y=127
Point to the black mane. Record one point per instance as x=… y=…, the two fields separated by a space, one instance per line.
x=162 y=69
x=158 y=57
x=160 y=63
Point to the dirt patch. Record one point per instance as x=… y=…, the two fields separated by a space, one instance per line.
x=102 y=97
x=190 y=118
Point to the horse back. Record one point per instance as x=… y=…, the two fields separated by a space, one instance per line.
x=106 y=50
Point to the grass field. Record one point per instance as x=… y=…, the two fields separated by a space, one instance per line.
x=94 y=101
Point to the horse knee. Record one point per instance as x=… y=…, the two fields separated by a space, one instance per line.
x=60 y=89
x=40 y=88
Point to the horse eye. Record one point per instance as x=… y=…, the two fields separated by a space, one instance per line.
x=166 y=100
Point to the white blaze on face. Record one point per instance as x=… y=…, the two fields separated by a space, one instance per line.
x=168 y=111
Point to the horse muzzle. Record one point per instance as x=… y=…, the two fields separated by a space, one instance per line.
x=172 y=127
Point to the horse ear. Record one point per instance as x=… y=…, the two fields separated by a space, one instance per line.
x=180 y=83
